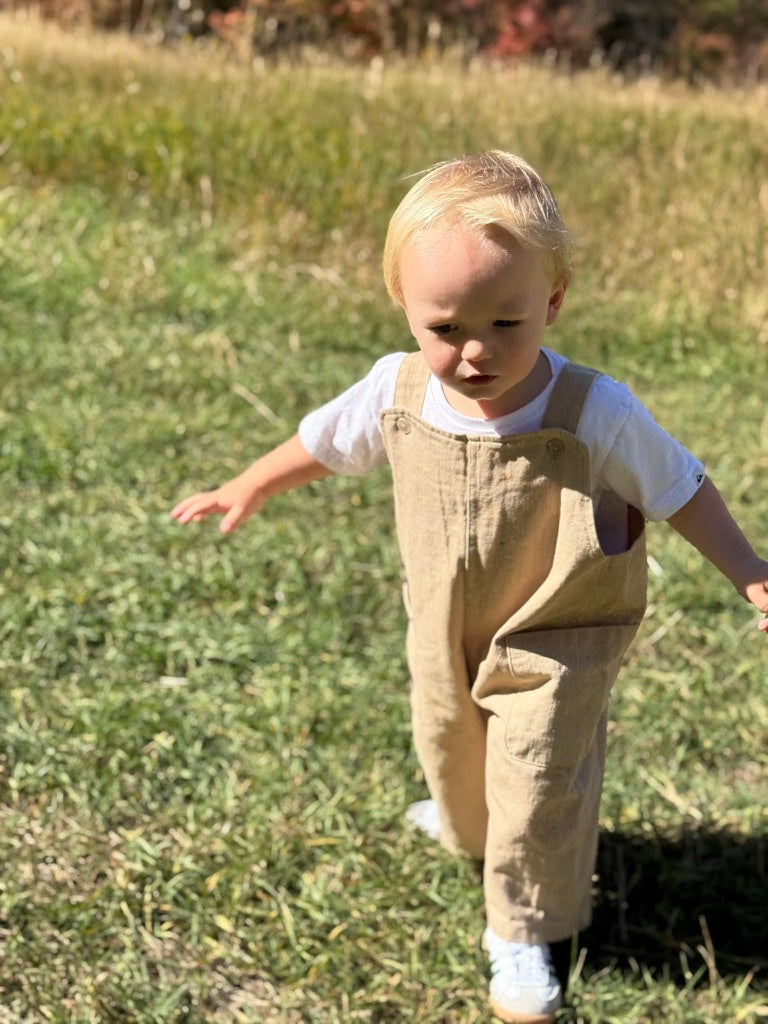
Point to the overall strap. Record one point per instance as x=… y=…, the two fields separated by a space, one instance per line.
x=412 y=378
x=568 y=397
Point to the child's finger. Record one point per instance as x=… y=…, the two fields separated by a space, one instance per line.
x=763 y=625
x=178 y=510
x=183 y=511
x=194 y=508
x=232 y=519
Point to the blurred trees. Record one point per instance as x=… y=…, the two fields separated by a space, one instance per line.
x=694 y=39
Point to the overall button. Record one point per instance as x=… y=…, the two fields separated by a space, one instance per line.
x=403 y=424
x=555 y=449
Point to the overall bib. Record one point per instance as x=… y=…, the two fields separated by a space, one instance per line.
x=518 y=623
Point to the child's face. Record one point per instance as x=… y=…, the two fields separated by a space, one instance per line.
x=478 y=306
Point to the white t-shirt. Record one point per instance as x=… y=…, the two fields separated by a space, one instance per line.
x=631 y=455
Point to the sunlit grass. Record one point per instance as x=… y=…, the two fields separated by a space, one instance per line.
x=206 y=751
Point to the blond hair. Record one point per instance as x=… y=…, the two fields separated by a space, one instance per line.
x=487 y=190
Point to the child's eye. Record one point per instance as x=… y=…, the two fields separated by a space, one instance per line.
x=442 y=328
x=506 y=323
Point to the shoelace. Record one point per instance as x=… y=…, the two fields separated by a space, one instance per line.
x=528 y=963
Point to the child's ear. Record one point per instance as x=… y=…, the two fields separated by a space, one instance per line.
x=555 y=302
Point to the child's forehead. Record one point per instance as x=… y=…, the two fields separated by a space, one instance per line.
x=441 y=268
x=458 y=244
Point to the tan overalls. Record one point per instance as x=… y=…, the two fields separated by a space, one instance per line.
x=518 y=624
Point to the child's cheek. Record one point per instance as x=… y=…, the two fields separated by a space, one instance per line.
x=440 y=358
x=445 y=360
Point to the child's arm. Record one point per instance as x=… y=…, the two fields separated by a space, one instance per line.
x=289 y=465
x=706 y=523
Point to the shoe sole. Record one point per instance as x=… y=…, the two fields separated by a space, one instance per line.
x=521 y=1018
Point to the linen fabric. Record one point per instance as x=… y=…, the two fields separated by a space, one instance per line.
x=518 y=623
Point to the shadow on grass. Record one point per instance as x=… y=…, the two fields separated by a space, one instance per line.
x=698 y=900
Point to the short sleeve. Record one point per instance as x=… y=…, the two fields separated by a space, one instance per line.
x=634 y=457
x=344 y=434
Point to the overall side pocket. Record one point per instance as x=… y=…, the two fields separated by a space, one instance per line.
x=559 y=686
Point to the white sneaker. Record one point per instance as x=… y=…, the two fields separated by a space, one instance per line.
x=423 y=816
x=524 y=986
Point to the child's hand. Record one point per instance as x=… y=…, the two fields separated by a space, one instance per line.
x=287 y=466
x=757 y=593
x=236 y=500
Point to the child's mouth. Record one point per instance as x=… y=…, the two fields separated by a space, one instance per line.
x=479 y=379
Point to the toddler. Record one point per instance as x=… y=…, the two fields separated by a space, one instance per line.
x=522 y=483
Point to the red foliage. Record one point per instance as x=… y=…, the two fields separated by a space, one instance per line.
x=522 y=29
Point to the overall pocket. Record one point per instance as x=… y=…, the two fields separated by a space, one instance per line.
x=557 y=691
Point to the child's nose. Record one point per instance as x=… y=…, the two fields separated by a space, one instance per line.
x=475 y=348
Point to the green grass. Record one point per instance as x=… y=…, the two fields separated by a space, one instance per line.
x=205 y=749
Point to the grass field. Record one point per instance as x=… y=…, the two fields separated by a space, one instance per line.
x=205 y=750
